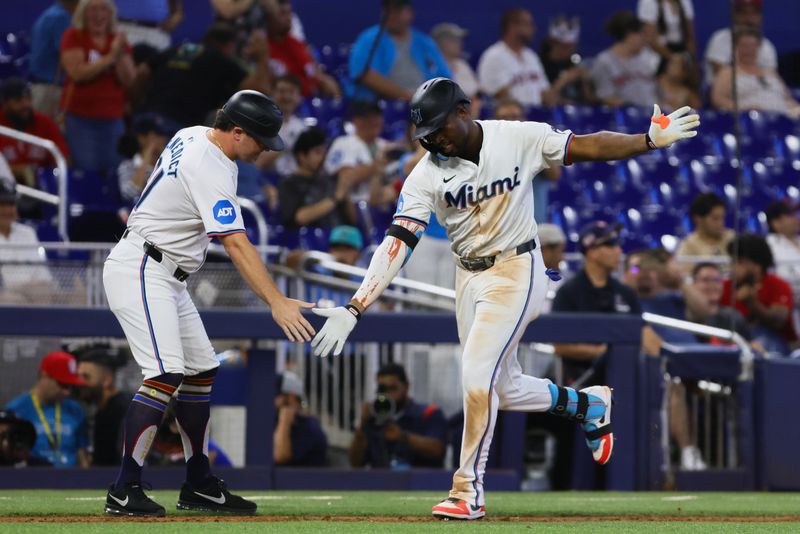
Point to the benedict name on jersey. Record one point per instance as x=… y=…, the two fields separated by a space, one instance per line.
x=467 y=196
x=176 y=151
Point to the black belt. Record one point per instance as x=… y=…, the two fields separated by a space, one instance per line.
x=152 y=251
x=484 y=262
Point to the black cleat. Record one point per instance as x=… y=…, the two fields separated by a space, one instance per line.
x=213 y=496
x=130 y=500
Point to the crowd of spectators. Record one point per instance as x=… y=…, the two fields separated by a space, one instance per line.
x=109 y=87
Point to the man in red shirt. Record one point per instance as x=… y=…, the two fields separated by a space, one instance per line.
x=763 y=298
x=289 y=55
x=16 y=111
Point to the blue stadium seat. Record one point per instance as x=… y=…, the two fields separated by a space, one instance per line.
x=310 y=238
x=585 y=119
x=395 y=110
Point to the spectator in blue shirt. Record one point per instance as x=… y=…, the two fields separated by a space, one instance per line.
x=61 y=433
x=392 y=60
x=45 y=55
x=298 y=439
x=396 y=431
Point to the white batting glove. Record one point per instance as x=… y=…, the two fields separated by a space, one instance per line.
x=334 y=332
x=666 y=129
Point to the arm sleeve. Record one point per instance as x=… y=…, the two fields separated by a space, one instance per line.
x=214 y=195
x=492 y=74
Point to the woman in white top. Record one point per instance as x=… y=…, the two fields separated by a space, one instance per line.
x=668 y=25
x=757 y=88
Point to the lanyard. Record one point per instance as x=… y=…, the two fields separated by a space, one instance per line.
x=55 y=443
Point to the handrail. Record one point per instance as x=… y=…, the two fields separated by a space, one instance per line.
x=325 y=261
x=746 y=358
x=60 y=172
x=261 y=222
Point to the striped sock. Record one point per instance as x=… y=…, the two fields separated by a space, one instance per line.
x=141 y=423
x=192 y=411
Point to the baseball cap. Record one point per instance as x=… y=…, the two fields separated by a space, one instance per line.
x=61 y=367
x=8 y=191
x=598 y=233
x=290 y=383
x=346 y=235
x=778 y=209
x=550 y=234
x=448 y=30
x=14 y=88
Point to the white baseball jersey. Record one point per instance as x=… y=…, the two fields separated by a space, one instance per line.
x=485 y=208
x=350 y=151
x=523 y=73
x=189 y=199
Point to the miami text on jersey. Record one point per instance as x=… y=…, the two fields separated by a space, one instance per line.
x=468 y=196
x=176 y=150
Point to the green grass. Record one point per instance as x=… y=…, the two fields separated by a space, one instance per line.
x=352 y=503
x=297 y=527
x=307 y=507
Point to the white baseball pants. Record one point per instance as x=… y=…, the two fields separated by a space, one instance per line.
x=493 y=307
x=156 y=313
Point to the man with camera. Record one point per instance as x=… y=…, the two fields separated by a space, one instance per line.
x=395 y=431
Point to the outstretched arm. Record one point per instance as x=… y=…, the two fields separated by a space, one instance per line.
x=389 y=257
x=609 y=146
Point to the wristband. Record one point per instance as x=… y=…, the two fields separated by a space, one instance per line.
x=650 y=144
x=352 y=309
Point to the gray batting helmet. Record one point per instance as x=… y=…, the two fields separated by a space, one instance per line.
x=258 y=116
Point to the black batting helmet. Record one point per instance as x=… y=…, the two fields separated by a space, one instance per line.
x=432 y=103
x=258 y=116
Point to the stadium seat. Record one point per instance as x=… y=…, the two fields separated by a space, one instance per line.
x=585 y=119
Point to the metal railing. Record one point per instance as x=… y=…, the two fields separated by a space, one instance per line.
x=60 y=173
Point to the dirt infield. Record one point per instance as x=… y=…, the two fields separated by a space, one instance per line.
x=388 y=519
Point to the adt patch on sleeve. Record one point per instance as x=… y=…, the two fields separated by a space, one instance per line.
x=224 y=212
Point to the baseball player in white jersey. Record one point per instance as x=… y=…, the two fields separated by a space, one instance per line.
x=477 y=179
x=189 y=199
